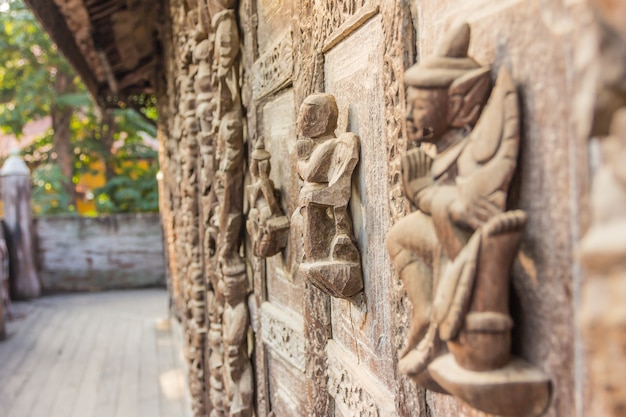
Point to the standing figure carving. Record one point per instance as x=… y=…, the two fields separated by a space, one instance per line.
x=266 y=224
x=325 y=163
x=454 y=253
x=230 y=283
x=237 y=366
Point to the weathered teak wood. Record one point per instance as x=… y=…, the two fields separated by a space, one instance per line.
x=207 y=134
x=15 y=190
x=112 y=353
x=55 y=24
x=603 y=248
x=455 y=252
x=325 y=164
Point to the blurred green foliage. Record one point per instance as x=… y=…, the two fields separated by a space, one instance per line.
x=27 y=77
x=49 y=195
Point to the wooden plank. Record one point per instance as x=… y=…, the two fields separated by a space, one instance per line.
x=15 y=350
x=171 y=378
x=181 y=363
x=84 y=405
x=58 y=363
x=21 y=338
x=88 y=355
x=73 y=371
x=127 y=404
x=148 y=375
x=29 y=379
x=110 y=376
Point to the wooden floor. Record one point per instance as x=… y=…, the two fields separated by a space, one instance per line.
x=109 y=354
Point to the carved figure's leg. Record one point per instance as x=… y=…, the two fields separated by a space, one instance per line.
x=319 y=230
x=342 y=248
x=411 y=245
x=452 y=237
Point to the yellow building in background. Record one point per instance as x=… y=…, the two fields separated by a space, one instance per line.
x=90 y=181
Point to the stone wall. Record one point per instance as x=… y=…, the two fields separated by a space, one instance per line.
x=86 y=254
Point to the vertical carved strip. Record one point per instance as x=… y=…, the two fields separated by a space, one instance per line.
x=603 y=249
x=398 y=40
x=232 y=279
x=309 y=78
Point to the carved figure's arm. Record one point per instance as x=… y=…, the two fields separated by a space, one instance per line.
x=483 y=192
x=417 y=179
x=494 y=176
x=341 y=157
x=235 y=329
x=233 y=156
x=267 y=188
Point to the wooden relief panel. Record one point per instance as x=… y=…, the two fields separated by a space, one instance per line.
x=290 y=157
x=354 y=76
x=273 y=22
x=455 y=251
x=279 y=128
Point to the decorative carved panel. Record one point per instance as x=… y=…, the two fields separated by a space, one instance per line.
x=454 y=253
x=274 y=69
x=356 y=393
x=284 y=333
x=325 y=164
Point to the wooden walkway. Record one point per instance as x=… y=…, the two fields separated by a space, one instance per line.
x=109 y=354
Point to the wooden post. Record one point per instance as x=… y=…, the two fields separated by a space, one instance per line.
x=15 y=192
x=4 y=281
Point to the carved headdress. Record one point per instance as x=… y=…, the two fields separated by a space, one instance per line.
x=449 y=62
x=468 y=82
x=259 y=153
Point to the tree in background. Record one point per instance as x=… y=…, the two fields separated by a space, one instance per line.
x=36 y=81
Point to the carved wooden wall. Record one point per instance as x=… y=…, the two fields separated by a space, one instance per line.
x=277 y=201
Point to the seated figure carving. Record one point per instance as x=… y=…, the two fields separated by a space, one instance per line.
x=266 y=224
x=454 y=253
x=325 y=163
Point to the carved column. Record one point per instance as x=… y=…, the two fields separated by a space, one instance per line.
x=603 y=248
x=16 y=204
x=229 y=277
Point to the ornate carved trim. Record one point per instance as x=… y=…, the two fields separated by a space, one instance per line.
x=350 y=25
x=283 y=333
x=347 y=382
x=274 y=69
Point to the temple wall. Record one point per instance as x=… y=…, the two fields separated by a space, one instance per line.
x=314 y=352
x=545 y=45
x=89 y=254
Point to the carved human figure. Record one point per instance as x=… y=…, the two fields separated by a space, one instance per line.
x=266 y=224
x=216 y=352
x=238 y=370
x=455 y=251
x=325 y=163
x=230 y=175
x=226 y=54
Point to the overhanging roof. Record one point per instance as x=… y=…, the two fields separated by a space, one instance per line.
x=112 y=44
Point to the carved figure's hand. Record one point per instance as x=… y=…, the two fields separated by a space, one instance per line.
x=416 y=172
x=472 y=213
x=304 y=147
